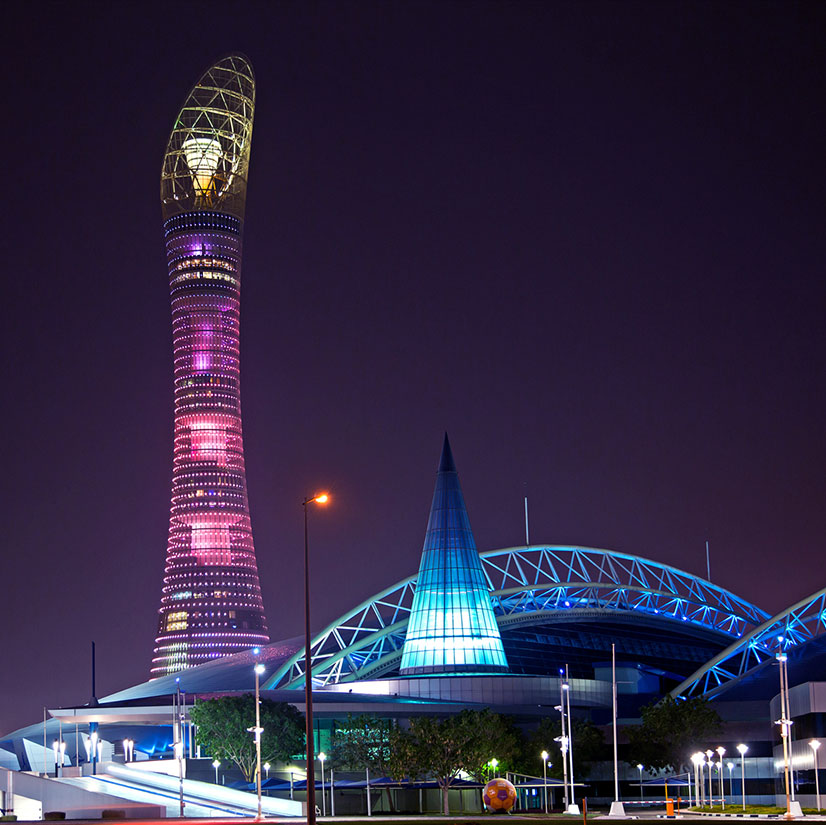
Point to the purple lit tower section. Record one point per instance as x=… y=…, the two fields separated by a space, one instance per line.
x=211 y=603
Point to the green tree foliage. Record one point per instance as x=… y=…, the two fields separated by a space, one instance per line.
x=222 y=730
x=441 y=748
x=671 y=731
x=589 y=746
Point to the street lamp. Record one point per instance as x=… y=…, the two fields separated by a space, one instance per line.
x=494 y=763
x=566 y=694
x=267 y=769
x=709 y=754
x=544 y=756
x=730 y=766
x=697 y=759
x=216 y=764
x=322 y=757
x=639 y=768
x=814 y=744
x=257 y=730
x=742 y=751
x=321 y=498
x=720 y=751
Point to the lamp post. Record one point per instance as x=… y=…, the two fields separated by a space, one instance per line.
x=639 y=768
x=814 y=744
x=741 y=749
x=709 y=755
x=784 y=730
x=494 y=763
x=267 y=769
x=321 y=498
x=696 y=760
x=216 y=764
x=730 y=766
x=544 y=756
x=257 y=730
x=720 y=751
x=322 y=757
x=566 y=693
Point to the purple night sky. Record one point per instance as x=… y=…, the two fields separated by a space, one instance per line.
x=586 y=239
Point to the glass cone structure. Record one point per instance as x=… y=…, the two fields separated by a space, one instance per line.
x=452 y=627
x=211 y=601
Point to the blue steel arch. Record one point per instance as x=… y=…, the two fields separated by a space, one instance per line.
x=524 y=582
x=800 y=623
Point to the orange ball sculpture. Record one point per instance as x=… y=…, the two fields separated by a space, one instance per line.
x=499 y=796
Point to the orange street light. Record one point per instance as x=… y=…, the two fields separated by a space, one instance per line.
x=320 y=498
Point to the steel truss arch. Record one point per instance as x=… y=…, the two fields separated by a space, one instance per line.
x=368 y=640
x=792 y=627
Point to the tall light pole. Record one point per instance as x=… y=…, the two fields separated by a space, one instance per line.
x=639 y=768
x=710 y=754
x=730 y=766
x=697 y=760
x=321 y=498
x=257 y=730
x=741 y=749
x=322 y=757
x=566 y=694
x=814 y=744
x=216 y=764
x=544 y=756
x=720 y=751
x=784 y=733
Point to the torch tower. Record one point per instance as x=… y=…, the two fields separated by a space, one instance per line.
x=211 y=600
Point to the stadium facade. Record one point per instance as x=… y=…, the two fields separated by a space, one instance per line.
x=211 y=600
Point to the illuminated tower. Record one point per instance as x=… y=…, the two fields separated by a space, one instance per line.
x=452 y=628
x=211 y=601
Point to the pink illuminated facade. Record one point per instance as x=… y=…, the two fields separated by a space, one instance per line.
x=211 y=603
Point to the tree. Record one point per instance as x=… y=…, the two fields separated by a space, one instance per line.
x=364 y=742
x=589 y=746
x=671 y=731
x=442 y=748
x=223 y=730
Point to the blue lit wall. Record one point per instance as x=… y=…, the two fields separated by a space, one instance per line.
x=452 y=627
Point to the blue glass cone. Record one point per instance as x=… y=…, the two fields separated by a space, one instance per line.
x=452 y=627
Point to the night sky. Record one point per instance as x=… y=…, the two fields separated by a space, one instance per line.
x=586 y=239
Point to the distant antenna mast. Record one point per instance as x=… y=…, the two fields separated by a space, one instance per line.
x=708 y=563
x=527 y=531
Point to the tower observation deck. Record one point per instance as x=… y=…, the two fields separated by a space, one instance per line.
x=211 y=600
